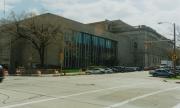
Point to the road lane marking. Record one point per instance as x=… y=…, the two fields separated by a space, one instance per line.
x=177 y=106
x=140 y=97
x=67 y=96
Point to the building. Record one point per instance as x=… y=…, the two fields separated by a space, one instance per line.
x=103 y=43
x=137 y=46
x=5 y=49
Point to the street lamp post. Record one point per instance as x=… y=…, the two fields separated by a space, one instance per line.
x=174 y=51
x=174 y=46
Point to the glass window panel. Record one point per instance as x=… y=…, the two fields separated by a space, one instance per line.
x=87 y=49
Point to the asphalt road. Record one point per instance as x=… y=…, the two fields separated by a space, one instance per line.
x=123 y=90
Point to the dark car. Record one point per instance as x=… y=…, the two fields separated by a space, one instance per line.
x=178 y=70
x=114 y=69
x=118 y=68
x=162 y=72
x=131 y=69
x=1 y=73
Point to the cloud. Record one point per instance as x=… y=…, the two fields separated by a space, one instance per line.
x=133 y=12
x=9 y=4
x=92 y=10
x=108 y=9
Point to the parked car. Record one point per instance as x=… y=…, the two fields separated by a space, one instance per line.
x=95 y=71
x=151 y=72
x=150 y=68
x=162 y=72
x=172 y=70
x=118 y=68
x=1 y=73
x=178 y=70
x=108 y=70
x=114 y=69
x=130 y=69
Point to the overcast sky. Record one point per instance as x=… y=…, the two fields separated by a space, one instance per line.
x=133 y=12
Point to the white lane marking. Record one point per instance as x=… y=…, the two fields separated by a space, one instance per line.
x=177 y=106
x=140 y=97
x=67 y=96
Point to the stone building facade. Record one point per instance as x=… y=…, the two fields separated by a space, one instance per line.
x=103 y=43
x=137 y=46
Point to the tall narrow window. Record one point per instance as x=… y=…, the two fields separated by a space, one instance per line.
x=135 y=45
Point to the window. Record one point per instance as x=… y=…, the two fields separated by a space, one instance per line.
x=88 y=50
x=135 y=45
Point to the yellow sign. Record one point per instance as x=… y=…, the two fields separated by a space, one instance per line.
x=174 y=57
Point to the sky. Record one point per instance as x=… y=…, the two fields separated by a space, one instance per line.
x=133 y=12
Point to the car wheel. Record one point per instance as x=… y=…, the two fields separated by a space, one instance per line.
x=155 y=75
x=1 y=79
x=102 y=72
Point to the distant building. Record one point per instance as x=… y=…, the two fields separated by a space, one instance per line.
x=137 y=46
x=103 y=43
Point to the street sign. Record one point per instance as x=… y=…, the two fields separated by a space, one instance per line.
x=174 y=57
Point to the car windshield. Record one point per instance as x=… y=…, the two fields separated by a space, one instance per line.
x=165 y=71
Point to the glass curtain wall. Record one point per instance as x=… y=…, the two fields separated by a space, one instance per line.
x=82 y=50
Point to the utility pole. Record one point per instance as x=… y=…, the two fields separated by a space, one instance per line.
x=174 y=56
x=174 y=51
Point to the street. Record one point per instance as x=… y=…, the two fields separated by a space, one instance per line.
x=122 y=90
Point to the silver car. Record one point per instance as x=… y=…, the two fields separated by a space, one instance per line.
x=95 y=71
x=108 y=70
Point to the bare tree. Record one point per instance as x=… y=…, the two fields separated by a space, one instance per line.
x=40 y=33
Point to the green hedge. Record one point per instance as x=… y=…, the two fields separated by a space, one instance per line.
x=71 y=70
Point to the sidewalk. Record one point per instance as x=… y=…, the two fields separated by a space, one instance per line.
x=54 y=75
x=61 y=74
